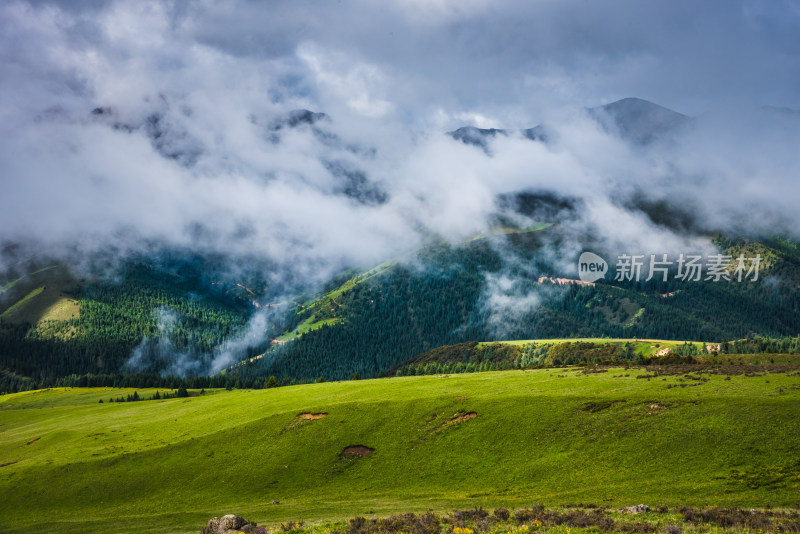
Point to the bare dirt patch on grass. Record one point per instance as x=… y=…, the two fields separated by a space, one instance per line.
x=460 y=417
x=303 y=419
x=655 y=407
x=312 y=416
x=357 y=451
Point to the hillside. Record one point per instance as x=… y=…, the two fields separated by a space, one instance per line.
x=407 y=310
x=613 y=438
x=55 y=323
x=176 y=315
x=473 y=356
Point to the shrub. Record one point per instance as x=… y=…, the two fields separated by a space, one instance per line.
x=501 y=514
x=461 y=516
x=358 y=525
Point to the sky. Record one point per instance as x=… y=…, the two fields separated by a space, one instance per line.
x=419 y=61
x=186 y=147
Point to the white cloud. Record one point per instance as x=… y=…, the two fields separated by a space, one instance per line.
x=356 y=83
x=185 y=86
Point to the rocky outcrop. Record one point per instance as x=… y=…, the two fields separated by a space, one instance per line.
x=228 y=524
x=638 y=509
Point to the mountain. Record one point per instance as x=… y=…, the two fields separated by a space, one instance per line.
x=633 y=119
x=177 y=312
x=381 y=320
x=638 y=120
x=471 y=135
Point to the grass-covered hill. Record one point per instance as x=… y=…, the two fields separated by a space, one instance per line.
x=181 y=309
x=69 y=463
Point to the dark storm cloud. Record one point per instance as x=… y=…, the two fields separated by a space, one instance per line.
x=528 y=55
x=513 y=58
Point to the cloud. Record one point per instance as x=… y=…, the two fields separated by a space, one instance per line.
x=355 y=84
x=160 y=354
x=235 y=349
x=127 y=126
x=183 y=149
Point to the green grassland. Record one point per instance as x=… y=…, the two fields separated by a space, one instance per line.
x=309 y=325
x=555 y=436
x=39 y=296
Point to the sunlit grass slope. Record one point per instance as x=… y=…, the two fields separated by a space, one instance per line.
x=71 y=464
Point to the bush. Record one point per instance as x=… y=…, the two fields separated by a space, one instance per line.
x=501 y=514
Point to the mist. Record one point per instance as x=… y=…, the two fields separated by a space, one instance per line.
x=133 y=126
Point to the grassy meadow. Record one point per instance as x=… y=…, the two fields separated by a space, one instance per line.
x=551 y=436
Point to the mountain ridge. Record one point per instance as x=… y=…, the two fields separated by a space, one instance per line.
x=632 y=118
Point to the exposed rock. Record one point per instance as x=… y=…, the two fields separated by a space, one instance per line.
x=227 y=523
x=638 y=509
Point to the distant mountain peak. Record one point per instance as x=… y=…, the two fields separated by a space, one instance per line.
x=472 y=135
x=633 y=119
x=635 y=101
x=296 y=117
x=638 y=120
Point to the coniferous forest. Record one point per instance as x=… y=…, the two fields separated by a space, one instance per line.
x=159 y=324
